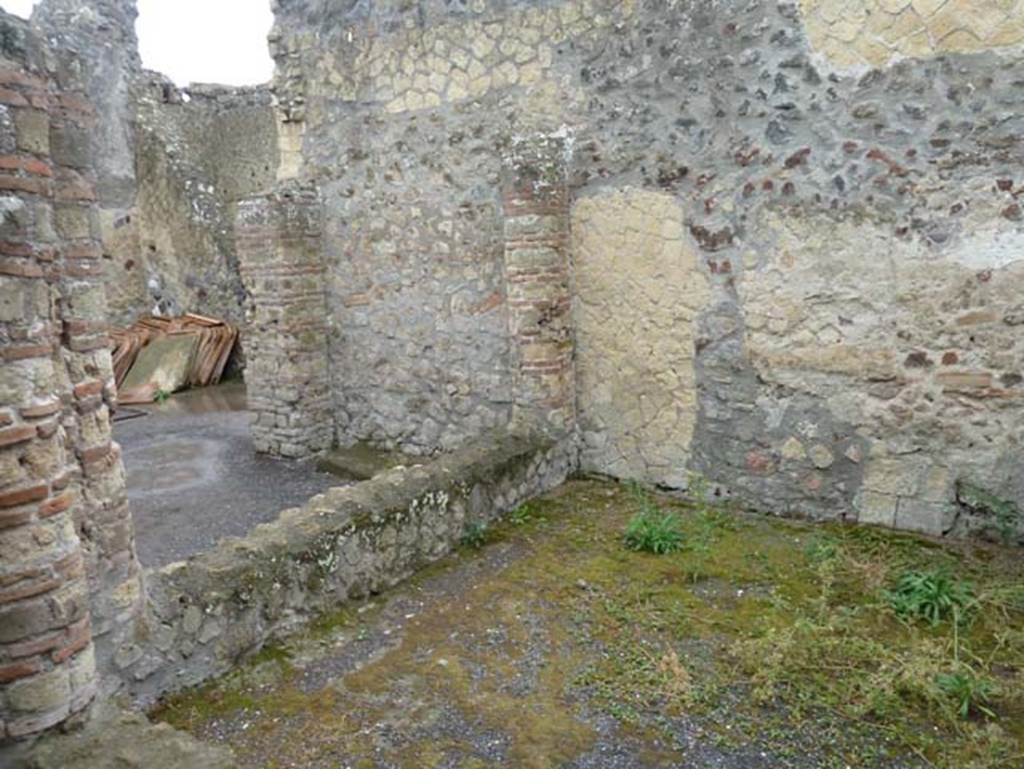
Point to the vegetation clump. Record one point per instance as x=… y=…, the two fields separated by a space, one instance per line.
x=933 y=596
x=652 y=530
x=970 y=691
x=474 y=535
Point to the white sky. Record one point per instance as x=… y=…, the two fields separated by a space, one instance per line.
x=207 y=41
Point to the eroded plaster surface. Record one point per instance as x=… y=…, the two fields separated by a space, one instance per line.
x=859 y=34
x=639 y=287
x=918 y=352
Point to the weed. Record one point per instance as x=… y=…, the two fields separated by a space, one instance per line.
x=676 y=679
x=932 y=596
x=652 y=530
x=697 y=487
x=474 y=535
x=161 y=396
x=709 y=523
x=521 y=515
x=821 y=550
x=968 y=690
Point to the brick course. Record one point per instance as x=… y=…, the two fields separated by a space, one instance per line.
x=63 y=517
x=537 y=280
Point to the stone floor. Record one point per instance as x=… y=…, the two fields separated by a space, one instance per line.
x=193 y=476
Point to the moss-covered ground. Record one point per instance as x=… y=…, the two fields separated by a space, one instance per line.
x=761 y=643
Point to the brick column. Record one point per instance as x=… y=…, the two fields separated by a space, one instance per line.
x=88 y=390
x=47 y=665
x=280 y=251
x=537 y=276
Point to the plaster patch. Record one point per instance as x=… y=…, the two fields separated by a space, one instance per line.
x=639 y=288
x=857 y=35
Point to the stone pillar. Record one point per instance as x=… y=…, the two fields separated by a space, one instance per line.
x=537 y=277
x=47 y=665
x=280 y=249
x=88 y=390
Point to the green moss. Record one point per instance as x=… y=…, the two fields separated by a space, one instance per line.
x=273 y=652
x=784 y=635
x=331 y=622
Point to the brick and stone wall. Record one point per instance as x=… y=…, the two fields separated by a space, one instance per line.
x=724 y=156
x=171 y=166
x=536 y=226
x=281 y=251
x=778 y=244
x=69 y=582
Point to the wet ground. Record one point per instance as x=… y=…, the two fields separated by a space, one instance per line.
x=760 y=644
x=193 y=476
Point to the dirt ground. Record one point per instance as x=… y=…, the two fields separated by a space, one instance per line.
x=761 y=643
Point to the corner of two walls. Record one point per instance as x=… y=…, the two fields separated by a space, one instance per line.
x=199 y=151
x=792 y=271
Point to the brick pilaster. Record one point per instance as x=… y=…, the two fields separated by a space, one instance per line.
x=88 y=390
x=281 y=260
x=47 y=662
x=537 y=276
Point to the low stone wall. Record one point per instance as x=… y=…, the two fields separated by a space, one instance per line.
x=207 y=613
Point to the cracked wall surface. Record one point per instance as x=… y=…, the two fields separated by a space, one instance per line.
x=860 y=34
x=639 y=289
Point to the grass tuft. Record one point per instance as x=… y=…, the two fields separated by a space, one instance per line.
x=652 y=530
x=931 y=595
x=970 y=692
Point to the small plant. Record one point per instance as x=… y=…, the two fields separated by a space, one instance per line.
x=474 y=535
x=521 y=515
x=701 y=541
x=708 y=524
x=652 y=530
x=932 y=596
x=657 y=533
x=161 y=396
x=821 y=550
x=969 y=691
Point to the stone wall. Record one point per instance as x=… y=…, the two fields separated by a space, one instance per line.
x=793 y=272
x=859 y=34
x=779 y=244
x=69 y=581
x=204 y=615
x=200 y=151
x=172 y=165
x=639 y=288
